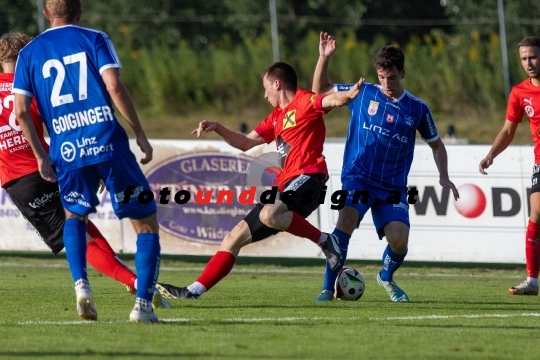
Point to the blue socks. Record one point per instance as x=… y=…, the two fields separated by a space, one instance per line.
x=331 y=275
x=147 y=264
x=391 y=262
x=75 y=244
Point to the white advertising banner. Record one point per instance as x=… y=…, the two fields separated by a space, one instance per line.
x=487 y=224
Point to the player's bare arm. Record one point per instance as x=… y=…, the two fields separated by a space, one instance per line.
x=327 y=46
x=239 y=141
x=22 y=110
x=441 y=160
x=342 y=98
x=124 y=103
x=503 y=139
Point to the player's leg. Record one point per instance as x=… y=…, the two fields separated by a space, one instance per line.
x=74 y=229
x=38 y=201
x=126 y=181
x=249 y=230
x=103 y=258
x=397 y=235
x=532 y=247
x=290 y=215
x=348 y=220
x=147 y=260
x=392 y=221
x=78 y=197
x=358 y=201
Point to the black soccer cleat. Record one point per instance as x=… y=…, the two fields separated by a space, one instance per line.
x=331 y=250
x=173 y=292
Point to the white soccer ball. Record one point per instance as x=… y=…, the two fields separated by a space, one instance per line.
x=349 y=285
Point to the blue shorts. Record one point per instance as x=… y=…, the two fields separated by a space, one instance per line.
x=382 y=211
x=79 y=187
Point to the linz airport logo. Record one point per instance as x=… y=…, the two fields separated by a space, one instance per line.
x=195 y=212
x=68 y=152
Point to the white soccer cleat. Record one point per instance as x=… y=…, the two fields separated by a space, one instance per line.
x=85 y=301
x=159 y=301
x=138 y=315
x=525 y=288
x=395 y=292
x=131 y=289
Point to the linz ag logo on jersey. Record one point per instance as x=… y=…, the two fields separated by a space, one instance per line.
x=389 y=118
x=373 y=106
x=384 y=132
x=289 y=120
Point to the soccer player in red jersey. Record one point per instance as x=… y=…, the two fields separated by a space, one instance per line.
x=297 y=127
x=37 y=199
x=525 y=100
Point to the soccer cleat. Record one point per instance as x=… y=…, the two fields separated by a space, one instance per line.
x=173 y=292
x=331 y=250
x=140 y=316
x=85 y=301
x=159 y=301
x=131 y=290
x=395 y=292
x=525 y=288
x=325 y=296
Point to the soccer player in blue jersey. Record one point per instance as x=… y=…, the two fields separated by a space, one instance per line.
x=378 y=155
x=73 y=73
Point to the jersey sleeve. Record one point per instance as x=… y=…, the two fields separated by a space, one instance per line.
x=106 y=54
x=426 y=126
x=514 y=110
x=345 y=87
x=314 y=104
x=265 y=129
x=22 y=83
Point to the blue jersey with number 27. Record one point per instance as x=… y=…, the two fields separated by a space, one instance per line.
x=381 y=137
x=62 y=68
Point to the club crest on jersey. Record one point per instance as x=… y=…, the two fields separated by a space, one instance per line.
x=389 y=118
x=529 y=110
x=289 y=120
x=373 y=106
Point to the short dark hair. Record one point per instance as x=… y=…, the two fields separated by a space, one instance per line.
x=389 y=56
x=530 y=41
x=284 y=73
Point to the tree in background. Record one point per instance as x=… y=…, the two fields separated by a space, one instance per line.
x=522 y=19
x=18 y=15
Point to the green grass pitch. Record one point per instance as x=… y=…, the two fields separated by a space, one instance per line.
x=264 y=310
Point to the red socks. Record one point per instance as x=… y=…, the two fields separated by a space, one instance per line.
x=102 y=257
x=96 y=235
x=219 y=266
x=532 y=249
x=302 y=228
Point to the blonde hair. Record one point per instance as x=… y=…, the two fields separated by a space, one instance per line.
x=10 y=45
x=63 y=9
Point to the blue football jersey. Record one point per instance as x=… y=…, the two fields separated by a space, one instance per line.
x=62 y=68
x=381 y=136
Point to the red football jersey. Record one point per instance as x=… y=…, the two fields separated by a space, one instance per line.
x=525 y=99
x=16 y=156
x=299 y=133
